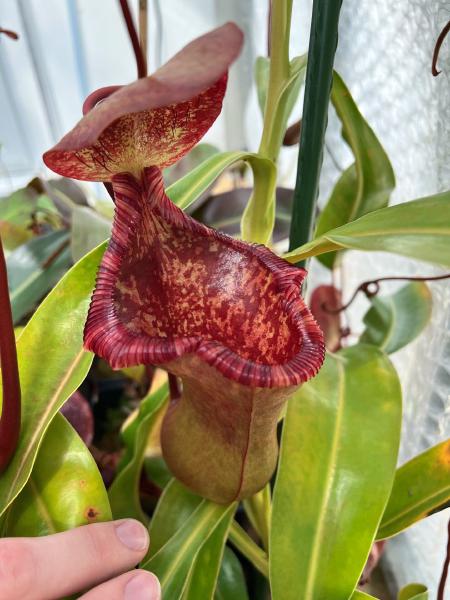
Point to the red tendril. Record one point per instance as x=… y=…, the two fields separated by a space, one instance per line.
x=441 y=588
x=141 y=61
x=10 y=416
x=372 y=287
x=437 y=49
x=11 y=34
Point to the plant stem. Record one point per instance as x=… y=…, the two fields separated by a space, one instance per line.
x=319 y=77
x=141 y=61
x=280 y=26
x=243 y=542
x=444 y=575
x=258 y=509
x=259 y=217
x=143 y=26
x=11 y=409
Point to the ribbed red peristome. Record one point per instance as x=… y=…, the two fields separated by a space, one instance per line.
x=169 y=286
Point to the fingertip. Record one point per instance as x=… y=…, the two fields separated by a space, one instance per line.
x=132 y=534
x=143 y=586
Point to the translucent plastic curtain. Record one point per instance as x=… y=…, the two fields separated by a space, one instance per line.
x=384 y=55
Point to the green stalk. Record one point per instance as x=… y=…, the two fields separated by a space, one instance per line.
x=319 y=77
x=244 y=543
x=258 y=509
x=279 y=72
x=259 y=216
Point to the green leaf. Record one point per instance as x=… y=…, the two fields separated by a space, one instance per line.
x=65 y=489
x=421 y=488
x=18 y=207
x=175 y=507
x=124 y=491
x=187 y=189
x=358 y=595
x=34 y=268
x=231 y=582
x=262 y=67
x=413 y=591
x=341 y=198
x=203 y=576
x=157 y=470
x=52 y=365
x=337 y=463
x=258 y=218
x=260 y=213
x=365 y=186
x=89 y=229
x=174 y=561
x=418 y=229
x=190 y=161
x=396 y=320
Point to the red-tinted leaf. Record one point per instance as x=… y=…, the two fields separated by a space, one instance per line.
x=225 y=316
x=324 y=300
x=155 y=120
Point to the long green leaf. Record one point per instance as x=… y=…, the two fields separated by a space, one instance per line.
x=231 y=582
x=367 y=185
x=418 y=229
x=52 y=364
x=203 y=577
x=29 y=276
x=174 y=561
x=337 y=463
x=124 y=491
x=65 y=489
x=176 y=505
x=396 y=320
x=421 y=488
x=413 y=591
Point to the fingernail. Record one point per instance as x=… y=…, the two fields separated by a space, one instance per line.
x=144 y=586
x=132 y=534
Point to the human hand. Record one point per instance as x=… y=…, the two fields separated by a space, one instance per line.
x=97 y=558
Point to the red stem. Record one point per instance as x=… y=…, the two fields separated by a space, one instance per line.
x=10 y=417
x=441 y=589
x=141 y=61
x=11 y=34
x=437 y=49
x=375 y=283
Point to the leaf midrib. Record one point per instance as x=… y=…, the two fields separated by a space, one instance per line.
x=329 y=478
